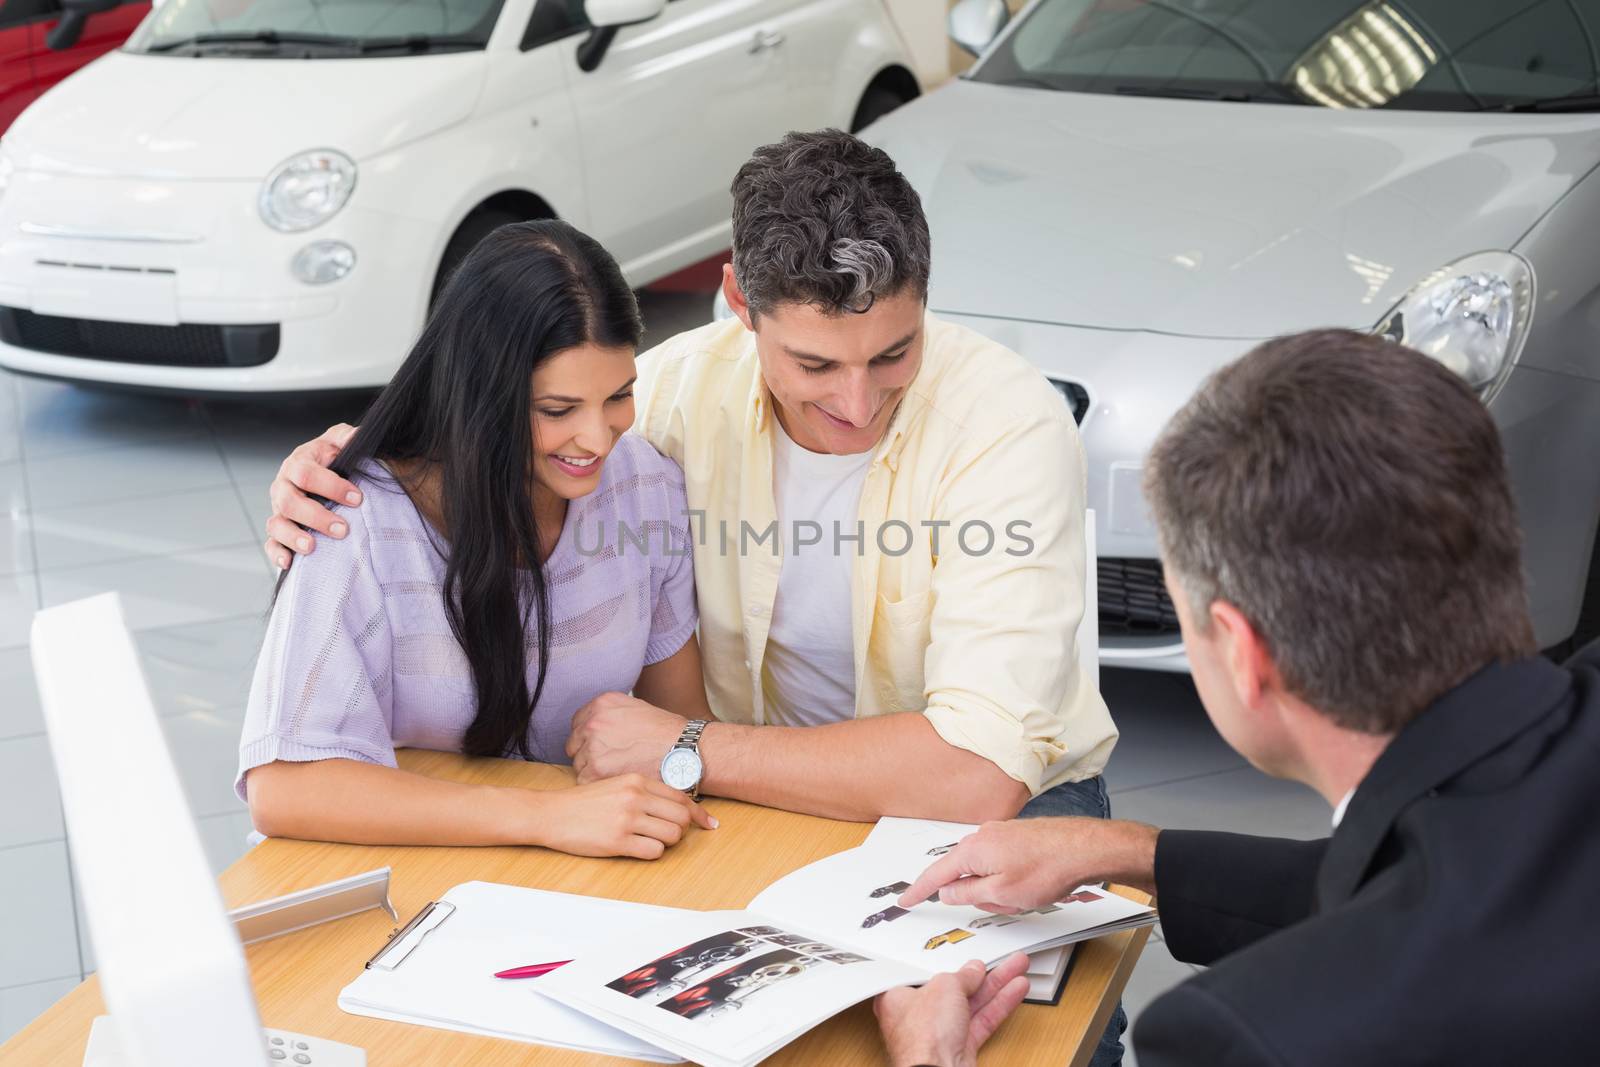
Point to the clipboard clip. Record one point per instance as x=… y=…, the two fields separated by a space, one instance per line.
x=404 y=941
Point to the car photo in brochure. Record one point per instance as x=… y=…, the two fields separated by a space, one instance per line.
x=672 y=973
x=694 y=981
x=731 y=989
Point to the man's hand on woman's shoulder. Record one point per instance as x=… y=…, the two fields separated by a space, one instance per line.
x=294 y=513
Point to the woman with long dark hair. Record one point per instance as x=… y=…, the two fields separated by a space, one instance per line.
x=516 y=555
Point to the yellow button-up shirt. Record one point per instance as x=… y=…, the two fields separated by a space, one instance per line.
x=977 y=636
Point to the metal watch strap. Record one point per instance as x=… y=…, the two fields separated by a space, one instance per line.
x=690 y=739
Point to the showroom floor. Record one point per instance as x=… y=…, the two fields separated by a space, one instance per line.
x=164 y=500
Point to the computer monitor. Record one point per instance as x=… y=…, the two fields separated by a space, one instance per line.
x=171 y=968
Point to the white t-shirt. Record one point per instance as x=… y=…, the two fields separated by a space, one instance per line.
x=809 y=671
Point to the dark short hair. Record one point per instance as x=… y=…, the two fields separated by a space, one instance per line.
x=1349 y=496
x=825 y=219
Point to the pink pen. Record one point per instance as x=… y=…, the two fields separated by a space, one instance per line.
x=532 y=970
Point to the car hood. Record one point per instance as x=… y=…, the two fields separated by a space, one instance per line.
x=226 y=118
x=1213 y=219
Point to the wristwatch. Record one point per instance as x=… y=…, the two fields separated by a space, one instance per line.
x=681 y=767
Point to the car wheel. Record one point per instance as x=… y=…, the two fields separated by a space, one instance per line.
x=876 y=102
x=475 y=228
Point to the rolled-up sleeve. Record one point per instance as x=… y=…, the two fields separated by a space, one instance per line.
x=1001 y=673
x=323 y=683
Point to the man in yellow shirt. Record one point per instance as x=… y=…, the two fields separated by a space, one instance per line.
x=888 y=514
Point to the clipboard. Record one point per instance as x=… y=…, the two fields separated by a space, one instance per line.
x=438 y=969
x=408 y=937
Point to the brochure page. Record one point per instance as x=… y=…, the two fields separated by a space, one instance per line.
x=723 y=988
x=850 y=898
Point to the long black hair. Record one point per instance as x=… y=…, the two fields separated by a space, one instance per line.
x=462 y=404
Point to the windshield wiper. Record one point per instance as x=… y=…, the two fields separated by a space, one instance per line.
x=1025 y=82
x=413 y=42
x=265 y=37
x=1267 y=94
x=1575 y=102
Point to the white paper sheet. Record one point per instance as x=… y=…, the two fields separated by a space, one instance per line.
x=448 y=981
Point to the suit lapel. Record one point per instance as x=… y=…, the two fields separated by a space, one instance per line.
x=1454 y=732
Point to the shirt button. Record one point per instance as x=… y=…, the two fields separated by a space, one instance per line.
x=746 y=664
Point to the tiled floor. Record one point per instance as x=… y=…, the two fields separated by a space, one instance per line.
x=164 y=500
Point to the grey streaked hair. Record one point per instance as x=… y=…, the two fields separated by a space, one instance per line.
x=825 y=219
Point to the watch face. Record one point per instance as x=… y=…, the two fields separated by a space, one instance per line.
x=681 y=768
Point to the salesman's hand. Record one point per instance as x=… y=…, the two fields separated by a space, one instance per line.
x=946 y=1021
x=1007 y=867
x=293 y=512
x=617 y=734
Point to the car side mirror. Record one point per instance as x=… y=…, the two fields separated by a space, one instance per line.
x=74 y=14
x=974 y=24
x=603 y=14
x=606 y=17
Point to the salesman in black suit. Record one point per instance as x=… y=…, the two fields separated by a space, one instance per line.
x=1340 y=541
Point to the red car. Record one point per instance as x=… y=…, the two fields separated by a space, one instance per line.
x=42 y=41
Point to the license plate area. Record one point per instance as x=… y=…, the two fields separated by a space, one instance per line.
x=113 y=292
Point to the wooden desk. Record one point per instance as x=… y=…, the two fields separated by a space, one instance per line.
x=297 y=977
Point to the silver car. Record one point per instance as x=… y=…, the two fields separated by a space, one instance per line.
x=1133 y=194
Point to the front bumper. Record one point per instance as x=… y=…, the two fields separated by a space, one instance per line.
x=1136 y=381
x=179 y=285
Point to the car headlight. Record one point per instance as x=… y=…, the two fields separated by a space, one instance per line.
x=1471 y=315
x=307 y=190
x=322 y=262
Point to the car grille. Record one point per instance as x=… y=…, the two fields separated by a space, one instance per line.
x=1133 y=600
x=184 y=345
x=1076 y=396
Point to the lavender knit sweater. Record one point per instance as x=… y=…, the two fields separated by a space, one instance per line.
x=359 y=659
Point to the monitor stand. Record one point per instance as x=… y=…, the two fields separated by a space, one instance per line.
x=105 y=1049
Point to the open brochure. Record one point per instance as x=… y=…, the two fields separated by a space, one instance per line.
x=1047 y=968
x=441 y=972
x=728 y=988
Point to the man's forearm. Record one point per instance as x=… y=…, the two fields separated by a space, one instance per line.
x=858 y=770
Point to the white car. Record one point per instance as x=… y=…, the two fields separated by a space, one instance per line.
x=1132 y=194
x=263 y=197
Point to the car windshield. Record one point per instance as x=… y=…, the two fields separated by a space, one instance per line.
x=314 y=28
x=1450 y=55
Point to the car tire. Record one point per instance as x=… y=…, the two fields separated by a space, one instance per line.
x=473 y=229
x=876 y=102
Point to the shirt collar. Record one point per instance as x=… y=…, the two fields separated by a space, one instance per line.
x=1338 y=812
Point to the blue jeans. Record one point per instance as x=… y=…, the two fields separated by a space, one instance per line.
x=1087 y=797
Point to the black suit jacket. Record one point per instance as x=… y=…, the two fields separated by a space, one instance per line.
x=1453 y=918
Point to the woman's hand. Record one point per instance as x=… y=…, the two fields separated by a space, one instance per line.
x=626 y=816
x=293 y=512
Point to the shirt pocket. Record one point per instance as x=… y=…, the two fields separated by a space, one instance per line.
x=897 y=649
